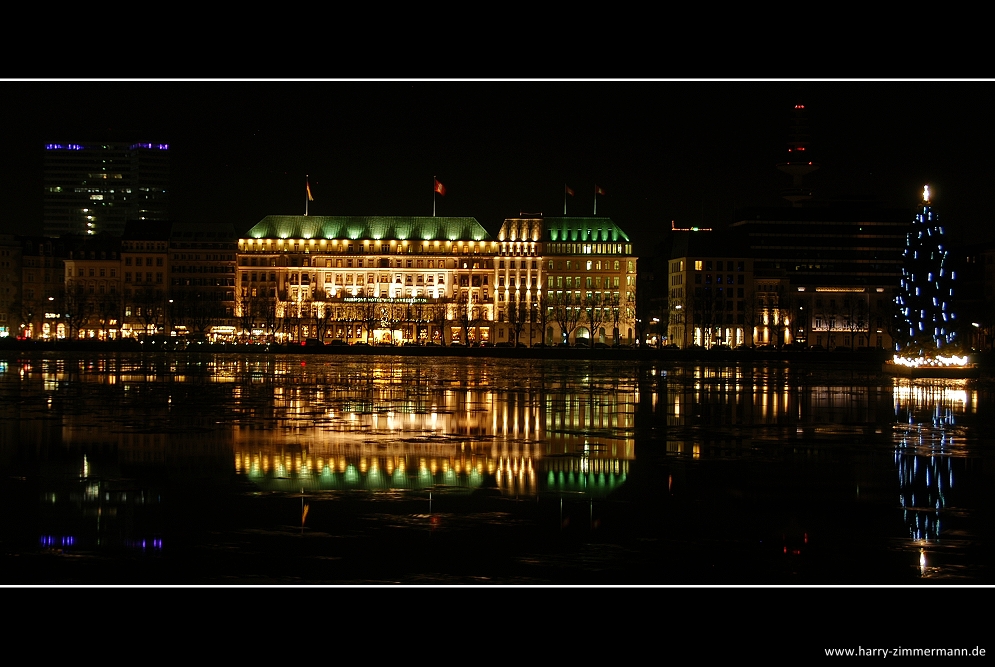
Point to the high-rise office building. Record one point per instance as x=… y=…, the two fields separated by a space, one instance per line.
x=96 y=187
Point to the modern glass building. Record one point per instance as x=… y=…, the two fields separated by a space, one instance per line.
x=95 y=187
x=839 y=267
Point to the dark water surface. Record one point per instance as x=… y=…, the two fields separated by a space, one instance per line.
x=286 y=469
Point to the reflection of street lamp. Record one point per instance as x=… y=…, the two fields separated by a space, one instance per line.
x=169 y=318
x=680 y=331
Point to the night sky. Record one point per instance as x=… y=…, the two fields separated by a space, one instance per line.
x=690 y=151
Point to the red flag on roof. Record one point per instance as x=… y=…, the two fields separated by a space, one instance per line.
x=568 y=190
x=598 y=190
x=308 y=186
x=440 y=188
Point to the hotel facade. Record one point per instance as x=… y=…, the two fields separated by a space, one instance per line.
x=438 y=280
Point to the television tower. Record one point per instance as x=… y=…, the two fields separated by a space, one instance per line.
x=799 y=161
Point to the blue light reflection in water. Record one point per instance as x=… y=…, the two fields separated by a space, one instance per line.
x=754 y=463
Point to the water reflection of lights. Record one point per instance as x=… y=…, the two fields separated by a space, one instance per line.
x=52 y=541
x=924 y=489
x=144 y=545
x=953 y=394
x=929 y=442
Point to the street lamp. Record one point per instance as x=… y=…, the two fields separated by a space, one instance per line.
x=50 y=311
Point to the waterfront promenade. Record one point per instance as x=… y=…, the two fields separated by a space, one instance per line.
x=162 y=345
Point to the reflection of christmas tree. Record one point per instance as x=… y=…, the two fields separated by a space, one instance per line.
x=927 y=284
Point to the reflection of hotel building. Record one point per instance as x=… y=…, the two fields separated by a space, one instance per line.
x=439 y=280
x=346 y=431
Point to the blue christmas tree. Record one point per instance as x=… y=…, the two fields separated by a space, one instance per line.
x=927 y=285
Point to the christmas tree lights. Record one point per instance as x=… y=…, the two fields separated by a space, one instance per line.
x=927 y=285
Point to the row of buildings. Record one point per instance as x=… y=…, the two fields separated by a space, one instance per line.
x=820 y=276
x=815 y=276
x=112 y=265
x=439 y=280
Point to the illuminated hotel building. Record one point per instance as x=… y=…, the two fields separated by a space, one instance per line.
x=567 y=280
x=437 y=280
x=96 y=187
x=376 y=279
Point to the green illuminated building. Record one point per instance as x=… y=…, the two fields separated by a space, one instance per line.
x=396 y=279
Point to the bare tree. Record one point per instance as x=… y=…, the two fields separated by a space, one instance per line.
x=567 y=312
x=595 y=312
x=518 y=314
x=326 y=312
x=149 y=303
x=706 y=314
x=855 y=315
x=539 y=313
x=464 y=315
x=368 y=312
x=75 y=309
x=109 y=309
x=438 y=316
x=753 y=313
x=267 y=309
x=245 y=311
x=391 y=316
x=779 y=309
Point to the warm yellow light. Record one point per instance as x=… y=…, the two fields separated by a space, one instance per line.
x=939 y=360
x=925 y=193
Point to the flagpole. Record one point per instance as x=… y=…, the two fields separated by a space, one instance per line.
x=307 y=184
x=564 y=200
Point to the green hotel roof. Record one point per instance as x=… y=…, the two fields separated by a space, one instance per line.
x=583 y=229
x=360 y=227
